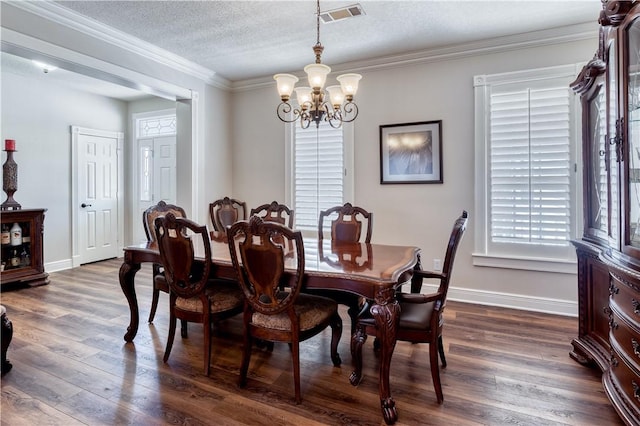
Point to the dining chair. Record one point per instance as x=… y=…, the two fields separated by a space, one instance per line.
x=346 y=223
x=274 y=212
x=148 y=218
x=225 y=212
x=192 y=295
x=275 y=309
x=421 y=315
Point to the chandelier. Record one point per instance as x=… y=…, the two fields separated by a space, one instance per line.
x=312 y=102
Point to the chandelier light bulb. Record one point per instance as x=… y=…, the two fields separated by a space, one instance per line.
x=285 y=83
x=349 y=84
x=317 y=75
x=303 y=95
x=336 y=96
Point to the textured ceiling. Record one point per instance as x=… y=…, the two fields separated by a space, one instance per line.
x=247 y=39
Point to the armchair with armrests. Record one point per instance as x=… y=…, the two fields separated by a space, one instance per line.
x=192 y=295
x=225 y=212
x=421 y=315
x=275 y=309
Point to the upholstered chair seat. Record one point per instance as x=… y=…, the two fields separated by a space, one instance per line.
x=312 y=310
x=226 y=296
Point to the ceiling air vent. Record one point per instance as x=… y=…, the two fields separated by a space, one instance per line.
x=342 y=13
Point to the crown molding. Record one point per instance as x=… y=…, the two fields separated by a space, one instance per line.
x=70 y=19
x=532 y=39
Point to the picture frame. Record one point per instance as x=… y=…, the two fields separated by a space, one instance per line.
x=411 y=152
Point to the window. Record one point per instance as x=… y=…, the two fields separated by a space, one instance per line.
x=526 y=194
x=320 y=171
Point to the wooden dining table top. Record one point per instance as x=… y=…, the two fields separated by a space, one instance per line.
x=365 y=263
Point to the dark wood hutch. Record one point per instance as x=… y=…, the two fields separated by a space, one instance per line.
x=609 y=250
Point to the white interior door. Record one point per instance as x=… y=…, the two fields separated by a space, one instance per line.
x=156 y=176
x=97 y=185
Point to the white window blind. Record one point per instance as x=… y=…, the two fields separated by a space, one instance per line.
x=319 y=172
x=530 y=165
x=526 y=182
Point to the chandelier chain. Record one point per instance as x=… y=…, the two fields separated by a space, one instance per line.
x=318 y=22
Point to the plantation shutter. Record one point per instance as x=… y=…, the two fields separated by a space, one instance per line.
x=530 y=164
x=318 y=172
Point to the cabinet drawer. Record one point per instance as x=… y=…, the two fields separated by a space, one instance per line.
x=625 y=300
x=626 y=380
x=625 y=338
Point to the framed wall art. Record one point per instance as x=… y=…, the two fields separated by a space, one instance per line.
x=411 y=152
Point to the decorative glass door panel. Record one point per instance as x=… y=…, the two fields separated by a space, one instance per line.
x=598 y=219
x=612 y=152
x=633 y=132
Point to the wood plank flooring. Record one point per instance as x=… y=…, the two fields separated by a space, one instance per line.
x=71 y=366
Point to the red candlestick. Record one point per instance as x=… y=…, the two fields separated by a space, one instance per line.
x=9 y=145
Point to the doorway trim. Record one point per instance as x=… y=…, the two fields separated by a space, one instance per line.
x=76 y=258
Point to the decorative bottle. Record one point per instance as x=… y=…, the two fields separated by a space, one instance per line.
x=14 y=261
x=16 y=234
x=5 y=237
x=25 y=259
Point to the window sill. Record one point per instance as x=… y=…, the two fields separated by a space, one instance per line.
x=528 y=263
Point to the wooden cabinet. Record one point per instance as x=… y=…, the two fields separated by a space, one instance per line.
x=609 y=250
x=23 y=263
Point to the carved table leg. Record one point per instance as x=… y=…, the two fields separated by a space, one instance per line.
x=357 y=340
x=386 y=312
x=6 y=336
x=127 y=277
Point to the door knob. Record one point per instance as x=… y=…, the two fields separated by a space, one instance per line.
x=83 y=205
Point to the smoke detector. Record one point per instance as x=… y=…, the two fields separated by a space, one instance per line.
x=341 y=13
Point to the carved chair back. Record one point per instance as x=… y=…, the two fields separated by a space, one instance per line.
x=274 y=212
x=259 y=250
x=185 y=277
x=347 y=222
x=225 y=212
x=160 y=209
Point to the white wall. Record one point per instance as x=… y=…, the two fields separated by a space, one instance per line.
x=38 y=115
x=420 y=215
x=217 y=150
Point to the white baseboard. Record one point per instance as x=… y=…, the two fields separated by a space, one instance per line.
x=59 y=265
x=509 y=300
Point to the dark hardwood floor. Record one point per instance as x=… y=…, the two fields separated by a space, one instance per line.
x=71 y=366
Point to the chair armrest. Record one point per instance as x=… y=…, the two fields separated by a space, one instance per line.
x=418 y=298
x=429 y=274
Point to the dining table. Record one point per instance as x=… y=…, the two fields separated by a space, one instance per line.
x=374 y=271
